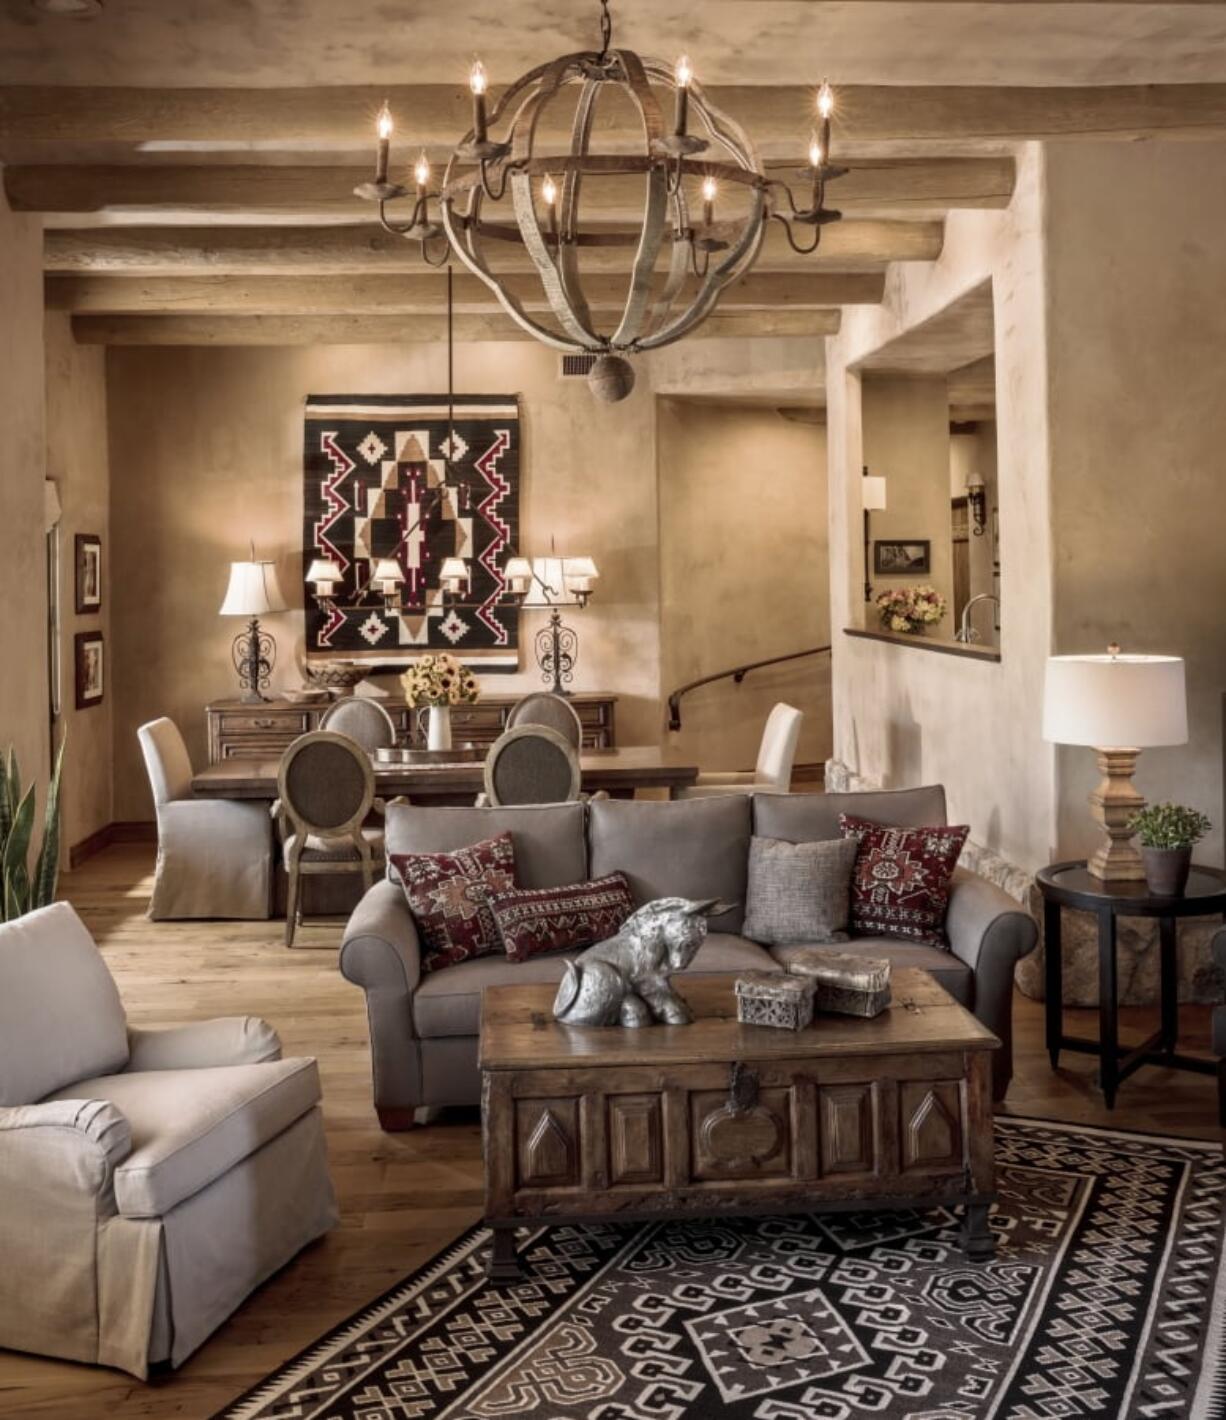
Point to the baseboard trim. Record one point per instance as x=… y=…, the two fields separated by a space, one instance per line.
x=133 y=831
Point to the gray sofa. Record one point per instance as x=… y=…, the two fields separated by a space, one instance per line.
x=423 y=1029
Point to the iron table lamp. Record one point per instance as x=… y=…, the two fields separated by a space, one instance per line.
x=253 y=592
x=1118 y=705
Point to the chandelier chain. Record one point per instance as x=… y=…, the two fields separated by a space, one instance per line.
x=606 y=31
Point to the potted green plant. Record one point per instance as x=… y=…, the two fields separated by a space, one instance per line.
x=20 y=890
x=1168 y=833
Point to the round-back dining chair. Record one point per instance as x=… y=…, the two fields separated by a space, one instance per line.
x=326 y=787
x=543 y=707
x=531 y=764
x=365 y=721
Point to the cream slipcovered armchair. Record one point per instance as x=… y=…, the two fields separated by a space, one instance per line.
x=214 y=855
x=149 y=1179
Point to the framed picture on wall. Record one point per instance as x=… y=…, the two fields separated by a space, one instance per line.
x=88 y=573
x=90 y=665
x=903 y=557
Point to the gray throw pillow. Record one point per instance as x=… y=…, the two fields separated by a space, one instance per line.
x=798 y=892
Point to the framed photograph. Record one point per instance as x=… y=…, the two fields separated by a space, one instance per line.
x=91 y=670
x=904 y=558
x=88 y=572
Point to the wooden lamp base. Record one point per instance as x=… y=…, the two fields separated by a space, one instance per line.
x=1113 y=804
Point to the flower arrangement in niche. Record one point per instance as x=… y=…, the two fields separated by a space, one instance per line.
x=439 y=680
x=910 y=609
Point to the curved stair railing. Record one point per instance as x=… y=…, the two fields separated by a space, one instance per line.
x=737 y=674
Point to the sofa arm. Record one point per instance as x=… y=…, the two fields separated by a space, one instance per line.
x=990 y=932
x=227 y=1040
x=59 y=1148
x=381 y=953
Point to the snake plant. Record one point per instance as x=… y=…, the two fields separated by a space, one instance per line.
x=21 y=892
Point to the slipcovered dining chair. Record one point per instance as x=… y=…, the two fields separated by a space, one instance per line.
x=773 y=772
x=214 y=855
x=365 y=721
x=543 y=707
x=326 y=789
x=151 y=1179
x=531 y=764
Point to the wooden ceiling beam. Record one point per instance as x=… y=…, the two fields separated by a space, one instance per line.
x=880 y=185
x=779 y=118
x=852 y=245
x=416 y=294
x=382 y=329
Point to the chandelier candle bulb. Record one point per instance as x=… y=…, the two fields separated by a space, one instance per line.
x=684 y=75
x=825 y=107
x=384 y=128
x=421 y=173
x=477 y=83
x=708 y=200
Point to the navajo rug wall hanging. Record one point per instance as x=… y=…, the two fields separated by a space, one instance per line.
x=1106 y=1298
x=369 y=462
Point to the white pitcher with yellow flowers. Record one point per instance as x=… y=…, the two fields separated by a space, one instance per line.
x=432 y=685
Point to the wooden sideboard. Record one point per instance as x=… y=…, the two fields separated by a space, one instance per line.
x=238 y=730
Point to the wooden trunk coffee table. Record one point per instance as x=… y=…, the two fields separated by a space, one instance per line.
x=597 y=1123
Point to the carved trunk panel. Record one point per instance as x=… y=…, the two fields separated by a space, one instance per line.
x=930 y=1126
x=546 y=1143
x=740 y=1141
x=636 y=1139
x=848 y=1129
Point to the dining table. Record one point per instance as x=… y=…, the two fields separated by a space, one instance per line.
x=620 y=773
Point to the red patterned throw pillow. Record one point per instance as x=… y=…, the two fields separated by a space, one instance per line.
x=449 y=894
x=537 y=920
x=900 y=886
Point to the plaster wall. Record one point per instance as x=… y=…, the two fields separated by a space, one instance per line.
x=1138 y=425
x=906 y=438
x=222 y=463
x=77 y=461
x=744 y=574
x=904 y=715
x=23 y=578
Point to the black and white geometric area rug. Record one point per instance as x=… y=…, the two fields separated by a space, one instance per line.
x=1105 y=1299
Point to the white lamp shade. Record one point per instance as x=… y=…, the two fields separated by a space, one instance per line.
x=518 y=574
x=550 y=577
x=453 y=570
x=253 y=590
x=387 y=573
x=872 y=492
x=323 y=571
x=580 y=573
x=1115 y=702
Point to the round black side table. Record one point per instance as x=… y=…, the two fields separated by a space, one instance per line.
x=1071 y=885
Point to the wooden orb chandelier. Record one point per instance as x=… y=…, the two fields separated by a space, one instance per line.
x=502 y=194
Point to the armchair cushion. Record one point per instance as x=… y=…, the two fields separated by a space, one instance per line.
x=228 y=1040
x=189 y=1127
x=61 y=1018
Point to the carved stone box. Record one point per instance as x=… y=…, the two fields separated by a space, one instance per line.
x=723 y=1117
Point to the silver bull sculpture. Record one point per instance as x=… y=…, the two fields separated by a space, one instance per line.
x=625 y=981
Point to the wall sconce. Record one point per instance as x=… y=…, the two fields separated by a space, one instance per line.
x=518 y=575
x=387 y=577
x=977 y=502
x=872 y=499
x=453 y=574
x=324 y=575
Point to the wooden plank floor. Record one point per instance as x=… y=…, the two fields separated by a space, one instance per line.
x=402 y=1197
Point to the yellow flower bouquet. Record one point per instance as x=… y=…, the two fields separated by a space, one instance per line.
x=439 y=680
